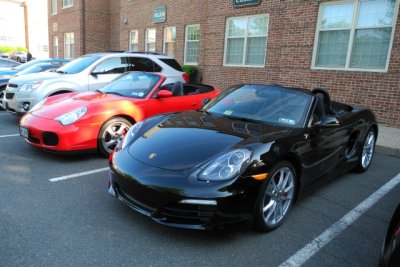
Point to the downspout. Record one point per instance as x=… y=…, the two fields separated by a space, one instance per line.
x=83 y=26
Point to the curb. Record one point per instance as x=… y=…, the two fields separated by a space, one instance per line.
x=389 y=151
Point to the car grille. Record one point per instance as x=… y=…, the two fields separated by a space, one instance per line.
x=50 y=139
x=188 y=213
x=10 y=95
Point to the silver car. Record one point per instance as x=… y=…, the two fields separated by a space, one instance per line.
x=87 y=73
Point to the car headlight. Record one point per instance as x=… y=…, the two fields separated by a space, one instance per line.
x=130 y=135
x=38 y=105
x=226 y=166
x=29 y=87
x=72 y=116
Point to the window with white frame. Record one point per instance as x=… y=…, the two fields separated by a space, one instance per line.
x=134 y=40
x=53 y=7
x=246 y=41
x=55 y=47
x=192 y=37
x=150 y=45
x=69 y=45
x=67 y=3
x=355 y=35
x=169 y=41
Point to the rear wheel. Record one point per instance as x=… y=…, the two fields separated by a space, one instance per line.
x=276 y=196
x=111 y=133
x=367 y=151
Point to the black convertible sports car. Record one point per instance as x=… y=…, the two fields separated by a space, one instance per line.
x=390 y=254
x=246 y=156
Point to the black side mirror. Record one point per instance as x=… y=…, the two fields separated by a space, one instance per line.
x=330 y=121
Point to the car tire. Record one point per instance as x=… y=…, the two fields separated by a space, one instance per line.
x=367 y=151
x=275 y=197
x=111 y=133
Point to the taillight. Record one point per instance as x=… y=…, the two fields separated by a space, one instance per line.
x=185 y=77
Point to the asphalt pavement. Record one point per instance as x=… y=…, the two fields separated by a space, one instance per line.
x=74 y=222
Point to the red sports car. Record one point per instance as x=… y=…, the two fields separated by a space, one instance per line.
x=98 y=120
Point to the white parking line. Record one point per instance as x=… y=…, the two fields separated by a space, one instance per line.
x=301 y=256
x=9 y=135
x=77 y=175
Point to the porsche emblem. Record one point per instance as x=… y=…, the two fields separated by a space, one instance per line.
x=152 y=155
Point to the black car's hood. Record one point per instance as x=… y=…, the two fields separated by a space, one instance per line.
x=187 y=139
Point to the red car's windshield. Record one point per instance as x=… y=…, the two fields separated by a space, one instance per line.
x=136 y=85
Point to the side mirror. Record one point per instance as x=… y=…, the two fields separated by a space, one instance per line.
x=164 y=94
x=328 y=121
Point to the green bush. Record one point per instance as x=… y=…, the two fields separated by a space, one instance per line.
x=190 y=70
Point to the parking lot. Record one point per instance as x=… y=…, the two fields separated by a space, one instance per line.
x=55 y=211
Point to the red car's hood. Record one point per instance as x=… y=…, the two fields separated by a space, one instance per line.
x=61 y=104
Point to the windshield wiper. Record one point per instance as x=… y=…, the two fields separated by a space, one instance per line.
x=113 y=93
x=61 y=71
x=242 y=119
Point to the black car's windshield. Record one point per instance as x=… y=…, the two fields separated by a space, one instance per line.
x=134 y=84
x=78 y=65
x=262 y=103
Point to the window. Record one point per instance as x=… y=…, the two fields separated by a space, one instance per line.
x=133 y=41
x=114 y=65
x=354 y=35
x=143 y=64
x=169 y=41
x=246 y=41
x=69 y=49
x=53 y=7
x=150 y=40
x=192 y=38
x=55 y=47
x=67 y=3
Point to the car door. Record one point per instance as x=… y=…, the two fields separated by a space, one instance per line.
x=106 y=71
x=157 y=105
x=325 y=142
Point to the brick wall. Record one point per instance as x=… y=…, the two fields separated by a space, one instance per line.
x=289 y=51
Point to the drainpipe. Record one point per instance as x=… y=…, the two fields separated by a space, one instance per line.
x=83 y=26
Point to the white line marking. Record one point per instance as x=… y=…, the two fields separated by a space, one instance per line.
x=77 y=175
x=9 y=135
x=303 y=255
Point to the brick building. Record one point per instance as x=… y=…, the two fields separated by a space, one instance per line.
x=350 y=47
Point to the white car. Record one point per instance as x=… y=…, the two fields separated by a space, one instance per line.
x=86 y=73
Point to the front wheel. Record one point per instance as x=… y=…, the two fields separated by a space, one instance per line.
x=275 y=197
x=367 y=151
x=111 y=133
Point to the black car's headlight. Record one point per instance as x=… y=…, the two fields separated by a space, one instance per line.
x=226 y=166
x=130 y=135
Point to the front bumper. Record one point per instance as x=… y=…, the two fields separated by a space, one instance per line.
x=177 y=199
x=18 y=103
x=51 y=135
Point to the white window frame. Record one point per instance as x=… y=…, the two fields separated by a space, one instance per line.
x=351 y=38
x=72 y=51
x=55 y=47
x=245 y=42
x=67 y=3
x=191 y=41
x=53 y=7
x=146 y=39
x=130 y=40
x=164 y=41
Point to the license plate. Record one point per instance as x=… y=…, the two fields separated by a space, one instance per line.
x=23 y=131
